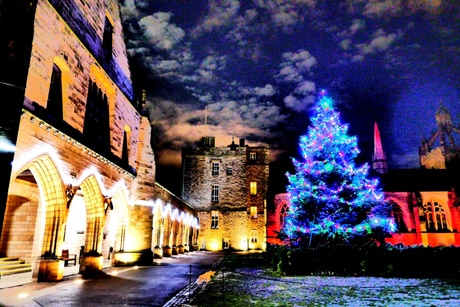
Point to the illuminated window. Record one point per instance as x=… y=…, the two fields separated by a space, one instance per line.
x=215 y=168
x=215 y=193
x=253 y=212
x=214 y=219
x=253 y=236
x=225 y=243
x=253 y=187
x=107 y=40
x=229 y=170
x=435 y=217
x=126 y=139
x=252 y=156
x=54 y=106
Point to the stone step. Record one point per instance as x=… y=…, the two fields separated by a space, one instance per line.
x=13 y=265
x=12 y=262
x=8 y=259
x=16 y=271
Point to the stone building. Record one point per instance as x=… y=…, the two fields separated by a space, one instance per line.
x=424 y=201
x=78 y=170
x=228 y=188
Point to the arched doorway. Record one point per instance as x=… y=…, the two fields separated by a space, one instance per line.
x=24 y=225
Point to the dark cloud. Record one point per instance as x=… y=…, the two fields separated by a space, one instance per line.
x=252 y=69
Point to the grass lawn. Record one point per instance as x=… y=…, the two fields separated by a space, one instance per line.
x=243 y=279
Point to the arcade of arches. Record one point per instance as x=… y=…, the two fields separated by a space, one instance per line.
x=48 y=212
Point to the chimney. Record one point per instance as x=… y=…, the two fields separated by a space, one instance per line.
x=242 y=143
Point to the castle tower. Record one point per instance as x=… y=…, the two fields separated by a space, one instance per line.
x=228 y=187
x=379 y=160
x=446 y=152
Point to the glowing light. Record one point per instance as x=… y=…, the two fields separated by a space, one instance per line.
x=328 y=191
x=214 y=245
x=23 y=295
x=6 y=145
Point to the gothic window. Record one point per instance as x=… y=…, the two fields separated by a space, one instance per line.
x=214 y=219
x=283 y=212
x=54 y=106
x=398 y=217
x=215 y=168
x=107 y=40
x=435 y=217
x=214 y=192
x=97 y=126
x=252 y=156
x=253 y=188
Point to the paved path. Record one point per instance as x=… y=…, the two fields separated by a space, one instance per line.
x=167 y=283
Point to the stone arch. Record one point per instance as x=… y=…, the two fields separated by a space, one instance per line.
x=53 y=203
x=24 y=214
x=116 y=215
x=158 y=224
x=94 y=201
x=175 y=229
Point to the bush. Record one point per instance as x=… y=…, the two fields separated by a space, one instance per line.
x=366 y=260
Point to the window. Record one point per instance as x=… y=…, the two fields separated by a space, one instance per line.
x=54 y=106
x=215 y=193
x=435 y=217
x=398 y=217
x=96 y=127
x=126 y=139
x=253 y=236
x=253 y=212
x=283 y=213
x=229 y=170
x=214 y=219
x=215 y=168
x=225 y=243
x=252 y=156
x=107 y=40
x=253 y=187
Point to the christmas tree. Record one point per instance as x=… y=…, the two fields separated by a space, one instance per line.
x=331 y=199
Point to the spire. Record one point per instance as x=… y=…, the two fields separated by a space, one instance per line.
x=379 y=160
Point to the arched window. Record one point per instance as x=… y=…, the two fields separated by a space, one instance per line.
x=283 y=212
x=435 y=217
x=97 y=126
x=398 y=217
x=54 y=106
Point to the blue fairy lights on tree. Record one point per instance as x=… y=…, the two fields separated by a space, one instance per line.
x=331 y=199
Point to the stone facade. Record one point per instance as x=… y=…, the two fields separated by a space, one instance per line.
x=82 y=176
x=228 y=187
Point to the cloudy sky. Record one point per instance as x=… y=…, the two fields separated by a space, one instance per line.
x=253 y=68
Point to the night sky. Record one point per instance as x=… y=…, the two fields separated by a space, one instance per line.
x=258 y=67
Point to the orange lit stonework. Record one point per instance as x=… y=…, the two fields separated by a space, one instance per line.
x=89 y=191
